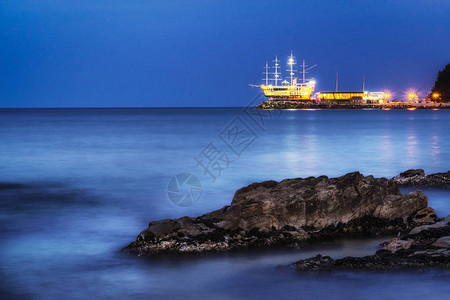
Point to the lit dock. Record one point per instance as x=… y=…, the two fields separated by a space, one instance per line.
x=350 y=105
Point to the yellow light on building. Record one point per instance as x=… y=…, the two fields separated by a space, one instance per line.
x=436 y=96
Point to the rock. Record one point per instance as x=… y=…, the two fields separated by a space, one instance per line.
x=440 y=224
x=397 y=205
x=426 y=216
x=417 y=177
x=411 y=173
x=317 y=263
x=396 y=244
x=443 y=242
x=424 y=250
x=288 y=213
x=439 y=179
x=411 y=177
x=383 y=260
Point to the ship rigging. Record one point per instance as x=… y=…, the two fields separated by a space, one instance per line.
x=290 y=89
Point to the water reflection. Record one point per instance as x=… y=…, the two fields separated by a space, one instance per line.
x=435 y=150
x=387 y=149
x=112 y=169
x=435 y=140
x=411 y=149
x=411 y=142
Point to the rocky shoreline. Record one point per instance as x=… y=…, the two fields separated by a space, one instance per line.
x=424 y=247
x=288 y=213
x=417 y=177
x=314 y=105
x=293 y=212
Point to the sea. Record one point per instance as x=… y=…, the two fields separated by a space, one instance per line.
x=78 y=185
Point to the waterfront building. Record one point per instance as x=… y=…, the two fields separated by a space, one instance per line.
x=376 y=97
x=342 y=97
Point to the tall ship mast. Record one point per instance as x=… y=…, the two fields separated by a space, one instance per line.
x=279 y=89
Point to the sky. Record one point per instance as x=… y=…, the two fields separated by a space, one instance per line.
x=69 y=53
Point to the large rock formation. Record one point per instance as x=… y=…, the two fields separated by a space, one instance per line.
x=286 y=213
x=426 y=246
x=417 y=177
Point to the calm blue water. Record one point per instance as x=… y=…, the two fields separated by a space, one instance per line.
x=91 y=180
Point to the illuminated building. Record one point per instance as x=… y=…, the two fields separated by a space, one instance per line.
x=341 y=96
x=376 y=97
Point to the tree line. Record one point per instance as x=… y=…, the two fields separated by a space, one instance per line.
x=441 y=89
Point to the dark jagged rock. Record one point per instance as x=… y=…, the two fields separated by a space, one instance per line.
x=425 y=216
x=316 y=263
x=424 y=247
x=430 y=228
x=287 y=213
x=417 y=177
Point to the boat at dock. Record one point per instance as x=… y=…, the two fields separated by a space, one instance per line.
x=301 y=88
x=291 y=88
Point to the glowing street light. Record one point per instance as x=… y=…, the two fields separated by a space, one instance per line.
x=387 y=95
x=412 y=95
x=436 y=96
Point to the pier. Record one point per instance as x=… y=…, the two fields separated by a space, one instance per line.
x=335 y=105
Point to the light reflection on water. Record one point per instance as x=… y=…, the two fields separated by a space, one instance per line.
x=95 y=178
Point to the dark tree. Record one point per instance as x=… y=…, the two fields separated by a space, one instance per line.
x=441 y=89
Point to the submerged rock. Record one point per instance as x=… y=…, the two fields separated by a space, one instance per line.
x=417 y=177
x=420 y=249
x=287 y=213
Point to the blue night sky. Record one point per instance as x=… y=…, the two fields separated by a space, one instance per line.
x=205 y=53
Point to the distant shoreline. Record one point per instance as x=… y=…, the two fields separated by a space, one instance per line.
x=322 y=105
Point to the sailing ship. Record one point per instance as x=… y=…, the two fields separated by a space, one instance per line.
x=291 y=88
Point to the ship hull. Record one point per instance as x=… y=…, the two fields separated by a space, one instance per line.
x=285 y=93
